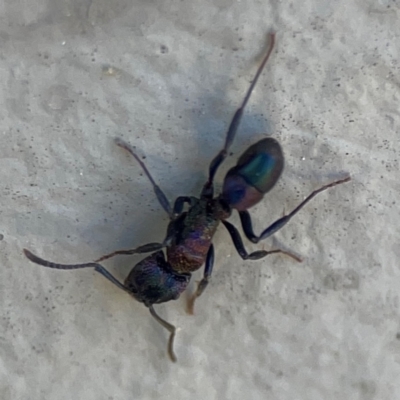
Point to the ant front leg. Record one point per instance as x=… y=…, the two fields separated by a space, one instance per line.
x=255 y=255
x=281 y=222
x=161 y=197
x=204 y=282
x=179 y=203
x=208 y=188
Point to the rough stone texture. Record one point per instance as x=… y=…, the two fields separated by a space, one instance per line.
x=167 y=76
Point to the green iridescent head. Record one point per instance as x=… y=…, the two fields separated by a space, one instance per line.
x=256 y=172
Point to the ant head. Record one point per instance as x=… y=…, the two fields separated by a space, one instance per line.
x=256 y=172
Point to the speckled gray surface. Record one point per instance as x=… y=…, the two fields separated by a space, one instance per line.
x=167 y=76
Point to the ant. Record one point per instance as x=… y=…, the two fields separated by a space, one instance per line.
x=188 y=242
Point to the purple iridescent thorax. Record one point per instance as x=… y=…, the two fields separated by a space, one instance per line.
x=194 y=230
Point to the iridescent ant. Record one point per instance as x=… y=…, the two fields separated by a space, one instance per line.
x=188 y=242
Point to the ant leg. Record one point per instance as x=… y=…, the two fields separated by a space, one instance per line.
x=256 y=255
x=170 y=328
x=230 y=135
x=179 y=203
x=281 y=222
x=162 y=199
x=49 y=264
x=97 y=267
x=204 y=282
x=146 y=248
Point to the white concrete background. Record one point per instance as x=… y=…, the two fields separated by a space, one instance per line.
x=167 y=76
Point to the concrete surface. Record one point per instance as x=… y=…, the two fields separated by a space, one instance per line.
x=167 y=76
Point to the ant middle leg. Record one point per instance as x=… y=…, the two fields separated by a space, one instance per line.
x=97 y=267
x=255 y=255
x=204 y=282
x=146 y=248
x=149 y=247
